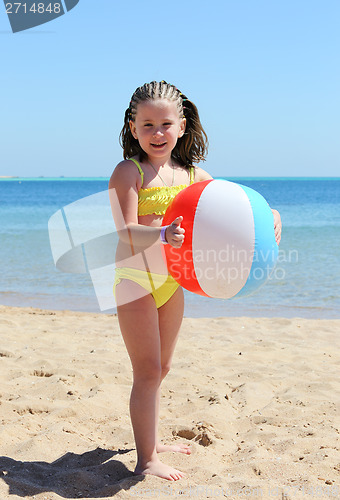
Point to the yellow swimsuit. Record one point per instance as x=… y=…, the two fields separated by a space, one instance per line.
x=153 y=200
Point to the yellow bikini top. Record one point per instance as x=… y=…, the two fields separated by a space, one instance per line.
x=155 y=200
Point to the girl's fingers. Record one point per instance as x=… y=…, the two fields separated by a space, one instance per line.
x=175 y=233
x=177 y=221
x=176 y=226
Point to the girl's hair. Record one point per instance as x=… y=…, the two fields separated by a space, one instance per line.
x=190 y=148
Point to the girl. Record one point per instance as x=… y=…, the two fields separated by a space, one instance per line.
x=162 y=137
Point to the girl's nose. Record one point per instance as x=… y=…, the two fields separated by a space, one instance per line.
x=157 y=132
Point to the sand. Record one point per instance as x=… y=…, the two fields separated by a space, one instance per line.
x=257 y=399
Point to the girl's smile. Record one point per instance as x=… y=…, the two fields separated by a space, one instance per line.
x=158 y=146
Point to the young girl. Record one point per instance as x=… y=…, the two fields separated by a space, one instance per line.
x=162 y=138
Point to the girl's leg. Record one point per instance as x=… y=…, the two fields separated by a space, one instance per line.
x=170 y=320
x=140 y=329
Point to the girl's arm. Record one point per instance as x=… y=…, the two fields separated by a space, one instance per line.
x=123 y=192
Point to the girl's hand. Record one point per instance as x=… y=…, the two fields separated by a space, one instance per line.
x=174 y=233
x=277 y=226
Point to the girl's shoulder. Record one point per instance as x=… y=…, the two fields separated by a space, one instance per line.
x=125 y=174
x=201 y=175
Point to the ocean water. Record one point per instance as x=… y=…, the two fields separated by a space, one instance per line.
x=305 y=283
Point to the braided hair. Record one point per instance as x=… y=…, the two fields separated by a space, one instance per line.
x=190 y=148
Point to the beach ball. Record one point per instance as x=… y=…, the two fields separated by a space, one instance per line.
x=229 y=248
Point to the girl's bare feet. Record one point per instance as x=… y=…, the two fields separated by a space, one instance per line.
x=179 y=448
x=157 y=468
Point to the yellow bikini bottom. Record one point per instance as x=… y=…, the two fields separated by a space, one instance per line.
x=161 y=287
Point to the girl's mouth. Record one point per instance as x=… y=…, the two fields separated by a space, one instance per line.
x=158 y=146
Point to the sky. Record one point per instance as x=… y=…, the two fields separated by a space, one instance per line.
x=264 y=74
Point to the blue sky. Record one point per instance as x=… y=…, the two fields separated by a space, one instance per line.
x=264 y=74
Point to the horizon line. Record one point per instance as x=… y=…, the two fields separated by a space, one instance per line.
x=62 y=177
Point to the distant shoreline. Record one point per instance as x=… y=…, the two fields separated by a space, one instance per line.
x=231 y=178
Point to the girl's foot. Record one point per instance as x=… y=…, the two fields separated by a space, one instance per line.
x=179 y=448
x=157 y=468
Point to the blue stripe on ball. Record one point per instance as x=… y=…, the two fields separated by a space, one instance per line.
x=266 y=249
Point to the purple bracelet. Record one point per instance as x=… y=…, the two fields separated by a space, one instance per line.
x=163 y=240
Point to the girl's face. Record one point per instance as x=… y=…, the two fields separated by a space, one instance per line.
x=157 y=127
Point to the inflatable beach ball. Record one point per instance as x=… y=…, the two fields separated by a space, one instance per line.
x=229 y=248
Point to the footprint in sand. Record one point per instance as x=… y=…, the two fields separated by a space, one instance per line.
x=201 y=433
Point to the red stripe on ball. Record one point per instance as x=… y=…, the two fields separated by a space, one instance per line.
x=179 y=260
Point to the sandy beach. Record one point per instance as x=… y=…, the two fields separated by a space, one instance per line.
x=257 y=399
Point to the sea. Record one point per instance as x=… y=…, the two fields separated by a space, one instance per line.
x=305 y=282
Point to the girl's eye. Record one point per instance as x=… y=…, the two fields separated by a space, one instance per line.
x=165 y=124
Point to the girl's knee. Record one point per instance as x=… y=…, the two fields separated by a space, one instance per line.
x=149 y=372
x=165 y=370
